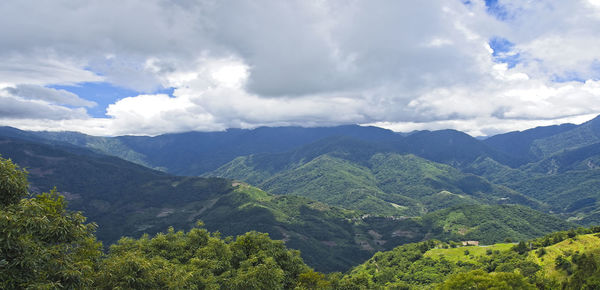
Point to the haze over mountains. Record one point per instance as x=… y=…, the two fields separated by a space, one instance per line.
x=327 y=191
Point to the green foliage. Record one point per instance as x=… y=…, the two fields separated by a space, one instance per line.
x=369 y=180
x=492 y=224
x=433 y=263
x=126 y=199
x=587 y=272
x=481 y=280
x=354 y=185
x=520 y=248
x=13 y=182
x=563 y=264
x=404 y=265
x=200 y=260
x=42 y=245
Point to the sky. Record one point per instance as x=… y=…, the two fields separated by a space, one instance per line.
x=149 y=67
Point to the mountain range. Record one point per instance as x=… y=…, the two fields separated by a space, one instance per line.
x=338 y=194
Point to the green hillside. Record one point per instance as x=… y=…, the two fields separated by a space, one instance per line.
x=561 y=259
x=518 y=143
x=582 y=158
x=568 y=182
x=126 y=199
x=43 y=245
x=338 y=182
x=585 y=134
x=573 y=194
x=376 y=183
x=492 y=223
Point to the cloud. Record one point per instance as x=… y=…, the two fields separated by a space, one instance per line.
x=556 y=38
x=41 y=68
x=17 y=108
x=310 y=63
x=61 y=97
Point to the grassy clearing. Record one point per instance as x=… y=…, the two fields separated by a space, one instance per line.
x=458 y=254
x=581 y=243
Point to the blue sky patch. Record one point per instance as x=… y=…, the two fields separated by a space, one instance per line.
x=497 y=10
x=596 y=70
x=573 y=76
x=104 y=94
x=568 y=77
x=503 y=51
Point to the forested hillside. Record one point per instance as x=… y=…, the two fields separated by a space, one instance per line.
x=45 y=246
x=567 y=260
x=353 y=174
x=562 y=171
x=126 y=199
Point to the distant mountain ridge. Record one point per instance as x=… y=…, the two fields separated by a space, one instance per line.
x=540 y=142
x=195 y=153
x=519 y=144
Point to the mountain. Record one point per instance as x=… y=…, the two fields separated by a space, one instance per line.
x=452 y=147
x=107 y=189
x=358 y=175
x=519 y=143
x=194 y=153
x=541 y=142
x=568 y=181
x=573 y=194
x=585 y=134
x=580 y=158
x=127 y=199
x=490 y=224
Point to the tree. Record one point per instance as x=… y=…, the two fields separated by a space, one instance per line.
x=13 y=182
x=42 y=245
x=198 y=259
x=521 y=248
x=479 y=279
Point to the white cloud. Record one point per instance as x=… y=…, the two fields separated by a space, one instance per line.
x=247 y=63
x=15 y=108
x=61 y=97
x=42 y=68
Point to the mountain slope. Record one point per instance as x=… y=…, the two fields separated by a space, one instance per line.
x=372 y=179
x=567 y=181
x=518 y=143
x=451 y=147
x=194 y=153
x=537 y=143
x=582 y=158
x=128 y=199
x=585 y=134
